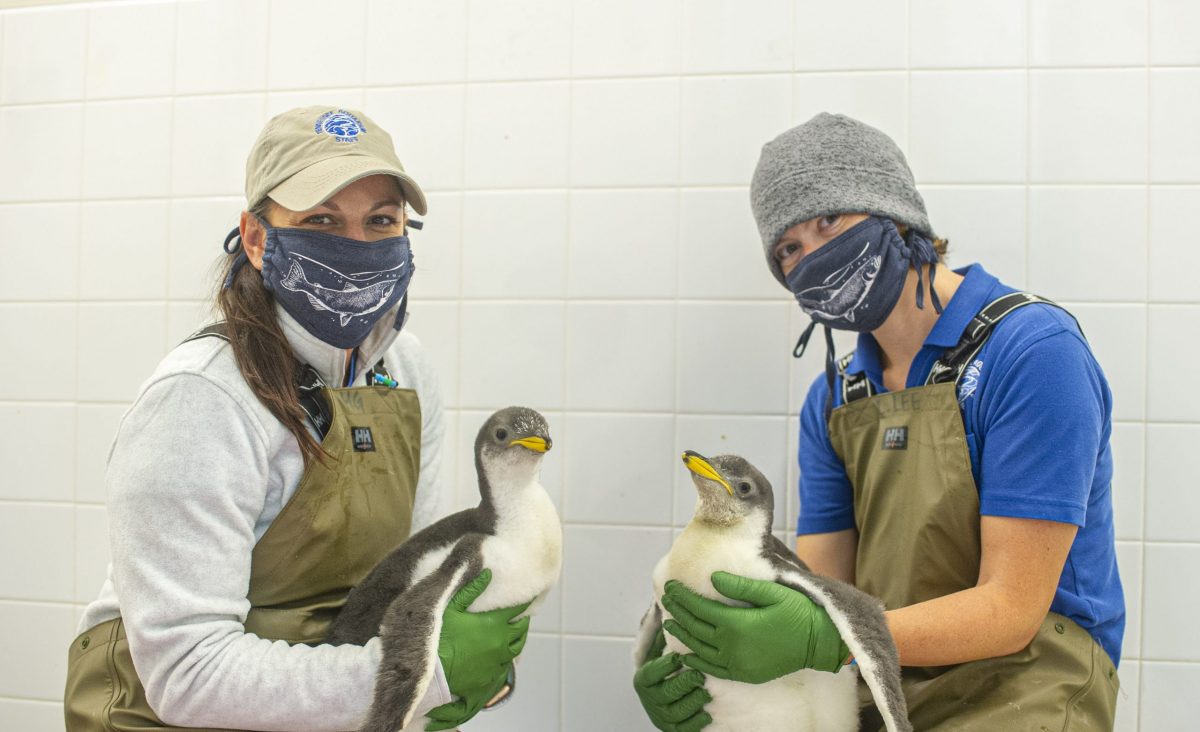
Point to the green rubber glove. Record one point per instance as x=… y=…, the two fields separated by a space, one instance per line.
x=476 y=650
x=673 y=701
x=783 y=631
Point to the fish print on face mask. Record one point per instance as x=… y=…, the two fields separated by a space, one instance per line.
x=843 y=291
x=360 y=294
x=337 y=288
x=853 y=281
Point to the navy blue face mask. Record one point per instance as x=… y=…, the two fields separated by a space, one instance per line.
x=336 y=288
x=854 y=281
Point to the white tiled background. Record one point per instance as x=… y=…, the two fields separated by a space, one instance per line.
x=590 y=252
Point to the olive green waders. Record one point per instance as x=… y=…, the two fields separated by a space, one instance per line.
x=343 y=518
x=916 y=507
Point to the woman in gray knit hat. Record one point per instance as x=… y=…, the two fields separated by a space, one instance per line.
x=956 y=465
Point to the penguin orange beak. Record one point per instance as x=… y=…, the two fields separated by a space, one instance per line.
x=699 y=465
x=537 y=444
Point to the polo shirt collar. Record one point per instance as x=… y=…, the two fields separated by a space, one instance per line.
x=969 y=299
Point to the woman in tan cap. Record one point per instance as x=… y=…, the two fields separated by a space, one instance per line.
x=235 y=538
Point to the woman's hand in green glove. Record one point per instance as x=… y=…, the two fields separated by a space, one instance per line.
x=783 y=631
x=673 y=701
x=476 y=650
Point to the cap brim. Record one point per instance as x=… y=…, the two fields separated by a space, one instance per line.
x=315 y=184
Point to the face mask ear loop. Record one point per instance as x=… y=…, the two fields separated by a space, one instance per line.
x=920 y=282
x=233 y=243
x=923 y=253
x=937 y=303
x=802 y=344
x=830 y=371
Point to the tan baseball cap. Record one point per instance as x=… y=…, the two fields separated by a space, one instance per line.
x=305 y=155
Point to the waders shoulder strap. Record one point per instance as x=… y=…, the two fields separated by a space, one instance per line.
x=954 y=361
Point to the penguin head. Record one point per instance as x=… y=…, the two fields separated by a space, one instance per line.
x=730 y=489
x=510 y=445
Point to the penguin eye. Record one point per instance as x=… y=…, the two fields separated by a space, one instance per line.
x=501 y=434
x=744 y=488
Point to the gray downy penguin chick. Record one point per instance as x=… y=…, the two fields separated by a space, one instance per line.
x=514 y=531
x=730 y=531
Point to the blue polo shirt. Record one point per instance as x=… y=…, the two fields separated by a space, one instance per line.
x=1038 y=416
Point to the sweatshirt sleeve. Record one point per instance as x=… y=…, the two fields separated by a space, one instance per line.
x=187 y=480
x=433 y=499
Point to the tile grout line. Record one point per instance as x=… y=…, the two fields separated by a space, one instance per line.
x=1145 y=384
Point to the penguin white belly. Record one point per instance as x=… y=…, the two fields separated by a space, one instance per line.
x=524 y=555
x=805 y=701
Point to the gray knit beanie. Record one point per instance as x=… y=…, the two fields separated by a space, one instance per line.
x=831 y=164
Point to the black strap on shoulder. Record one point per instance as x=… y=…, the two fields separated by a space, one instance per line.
x=954 y=361
x=215 y=330
x=854 y=386
x=308 y=382
x=312 y=399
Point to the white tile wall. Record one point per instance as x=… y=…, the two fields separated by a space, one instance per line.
x=1082 y=33
x=131 y=50
x=1170 y=256
x=1174 y=108
x=624 y=132
x=988 y=106
x=219 y=46
x=36 y=70
x=204 y=164
x=1087 y=126
x=608 y=257
x=310 y=47
x=416 y=42
x=967 y=35
x=514 y=244
x=727 y=36
x=1088 y=243
x=503 y=150
x=48 y=172
x=122 y=252
x=39 y=238
x=590 y=252
x=111 y=169
x=38 y=442
x=625 y=38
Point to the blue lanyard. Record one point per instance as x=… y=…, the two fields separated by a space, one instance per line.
x=350 y=373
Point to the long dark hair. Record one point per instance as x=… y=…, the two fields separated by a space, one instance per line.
x=263 y=353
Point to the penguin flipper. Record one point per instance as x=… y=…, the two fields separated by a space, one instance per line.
x=649 y=637
x=409 y=636
x=360 y=617
x=860 y=621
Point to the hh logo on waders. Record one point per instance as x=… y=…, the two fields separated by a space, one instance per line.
x=363 y=442
x=895 y=438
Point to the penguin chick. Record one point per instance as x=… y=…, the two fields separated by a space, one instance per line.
x=514 y=531
x=730 y=531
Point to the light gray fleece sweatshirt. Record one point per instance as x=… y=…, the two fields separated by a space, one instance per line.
x=198 y=470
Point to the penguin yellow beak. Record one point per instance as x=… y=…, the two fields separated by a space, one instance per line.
x=696 y=463
x=537 y=444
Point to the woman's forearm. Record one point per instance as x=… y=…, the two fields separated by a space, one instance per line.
x=980 y=622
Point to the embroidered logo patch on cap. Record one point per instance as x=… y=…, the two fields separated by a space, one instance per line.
x=363 y=442
x=895 y=438
x=341 y=125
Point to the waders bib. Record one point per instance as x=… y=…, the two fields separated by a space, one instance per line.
x=916 y=507
x=343 y=518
